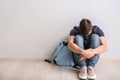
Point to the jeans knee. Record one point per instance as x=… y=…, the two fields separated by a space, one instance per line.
x=95 y=37
x=78 y=38
x=94 y=41
x=79 y=41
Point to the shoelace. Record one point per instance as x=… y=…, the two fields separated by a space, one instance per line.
x=90 y=70
x=83 y=70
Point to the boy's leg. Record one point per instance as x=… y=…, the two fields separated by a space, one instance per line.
x=94 y=43
x=83 y=70
x=80 y=42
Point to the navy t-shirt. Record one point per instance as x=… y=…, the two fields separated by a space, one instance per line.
x=95 y=30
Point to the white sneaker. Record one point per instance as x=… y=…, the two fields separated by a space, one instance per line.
x=91 y=73
x=83 y=73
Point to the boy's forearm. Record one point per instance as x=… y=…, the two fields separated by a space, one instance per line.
x=74 y=48
x=100 y=49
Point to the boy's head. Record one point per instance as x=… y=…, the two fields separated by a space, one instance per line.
x=85 y=27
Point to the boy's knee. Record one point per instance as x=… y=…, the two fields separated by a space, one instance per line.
x=79 y=41
x=78 y=37
x=95 y=36
x=95 y=41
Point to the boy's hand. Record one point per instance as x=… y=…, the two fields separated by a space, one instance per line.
x=82 y=57
x=87 y=54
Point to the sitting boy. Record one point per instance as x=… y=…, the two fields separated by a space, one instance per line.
x=86 y=42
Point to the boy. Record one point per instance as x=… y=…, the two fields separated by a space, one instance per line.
x=86 y=42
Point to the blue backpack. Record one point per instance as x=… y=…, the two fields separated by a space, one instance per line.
x=62 y=56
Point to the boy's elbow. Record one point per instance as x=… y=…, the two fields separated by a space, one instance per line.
x=105 y=48
x=69 y=45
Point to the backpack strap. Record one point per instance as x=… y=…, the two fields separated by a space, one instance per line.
x=54 y=62
x=76 y=67
x=50 y=61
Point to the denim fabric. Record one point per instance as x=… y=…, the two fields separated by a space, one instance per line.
x=63 y=56
x=94 y=42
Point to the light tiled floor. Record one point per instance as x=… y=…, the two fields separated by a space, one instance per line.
x=106 y=69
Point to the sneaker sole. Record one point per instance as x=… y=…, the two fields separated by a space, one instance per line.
x=91 y=78
x=83 y=78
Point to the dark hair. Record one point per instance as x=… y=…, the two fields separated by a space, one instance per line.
x=85 y=26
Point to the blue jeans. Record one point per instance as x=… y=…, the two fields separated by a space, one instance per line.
x=94 y=43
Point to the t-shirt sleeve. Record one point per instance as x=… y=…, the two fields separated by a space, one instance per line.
x=99 y=31
x=73 y=32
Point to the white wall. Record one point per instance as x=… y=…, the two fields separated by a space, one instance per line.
x=33 y=28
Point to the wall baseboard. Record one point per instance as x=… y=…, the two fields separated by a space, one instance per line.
x=42 y=59
x=21 y=59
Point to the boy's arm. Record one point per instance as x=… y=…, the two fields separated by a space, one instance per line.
x=76 y=49
x=102 y=48
x=73 y=47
